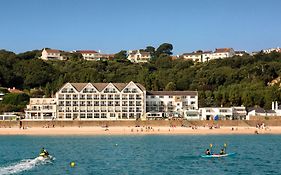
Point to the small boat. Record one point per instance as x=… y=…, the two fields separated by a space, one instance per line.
x=218 y=155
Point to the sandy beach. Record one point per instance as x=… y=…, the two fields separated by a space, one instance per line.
x=116 y=130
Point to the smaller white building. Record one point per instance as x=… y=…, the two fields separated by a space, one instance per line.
x=92 y=55
x=9 y=116
x=138 y=56
x=267 y=51
x=221 y=53
x=171 y=103
x=194 y=56
x=216 y=113
x=41 y=108
x=51 y=54
x=241 y=53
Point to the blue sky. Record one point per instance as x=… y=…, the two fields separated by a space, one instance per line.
x=114 y=25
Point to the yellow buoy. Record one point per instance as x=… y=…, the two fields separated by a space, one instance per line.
x=72 y=164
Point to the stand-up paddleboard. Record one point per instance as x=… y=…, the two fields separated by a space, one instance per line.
x=218 y=155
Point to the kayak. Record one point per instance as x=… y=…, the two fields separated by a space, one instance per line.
x=218 y=155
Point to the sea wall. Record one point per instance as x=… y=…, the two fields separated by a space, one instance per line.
x=245 y=123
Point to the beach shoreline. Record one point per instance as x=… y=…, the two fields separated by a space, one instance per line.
x=116 y=130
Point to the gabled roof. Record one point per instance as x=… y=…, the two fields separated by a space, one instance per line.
x=270 y=111
x=52 y=51
x=101 y=86
x=221 y=50
x=78 y=86
x=172 y=93
x=257 y=109
x=86 y=51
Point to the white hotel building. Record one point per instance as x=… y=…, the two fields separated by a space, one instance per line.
x=95 y=101
x=111 y=101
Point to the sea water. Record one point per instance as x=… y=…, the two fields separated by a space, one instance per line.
x=148 y=155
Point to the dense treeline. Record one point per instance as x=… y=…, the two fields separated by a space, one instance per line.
x=232 y=81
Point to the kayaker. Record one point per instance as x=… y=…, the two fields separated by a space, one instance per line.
x=208 y=152
x=222 y=152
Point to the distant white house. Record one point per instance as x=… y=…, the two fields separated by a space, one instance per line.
x=272 y=50
x=92 y=55
x=221 y=53
x=138 y=56
x=240 y=53
x=204 y=56
x=51 y=54
x=194 y=56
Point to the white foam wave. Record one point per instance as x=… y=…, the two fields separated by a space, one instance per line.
x=23 y=165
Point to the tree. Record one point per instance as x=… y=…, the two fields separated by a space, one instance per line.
x=171 y=86
x=151 y=50
x=165 y=49
x=121 y=56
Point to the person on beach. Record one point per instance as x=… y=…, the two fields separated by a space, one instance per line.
x=208 y=152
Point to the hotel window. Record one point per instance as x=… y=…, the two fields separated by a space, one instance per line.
x=103 y=115
x=192 y=102
x=117 y=97
x=68 y=103
x=82 y=115
x=161 y=96
x=96 y=115
x=112 y=115
x=152 y=96
x=68 y=116
x=96 y=103
x=183 y=97
x=131 y=116
x=90 y=115
x=170 y=96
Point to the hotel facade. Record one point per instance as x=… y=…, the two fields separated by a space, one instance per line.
x=94 y=101
x=111 y=101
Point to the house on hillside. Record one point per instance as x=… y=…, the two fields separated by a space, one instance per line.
x=194 y=56
x=240 y=53
x=92 y=55
x=138 y=56
x=51 y=54
x=221 y=53
x=15 y=91
x=272 y=50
